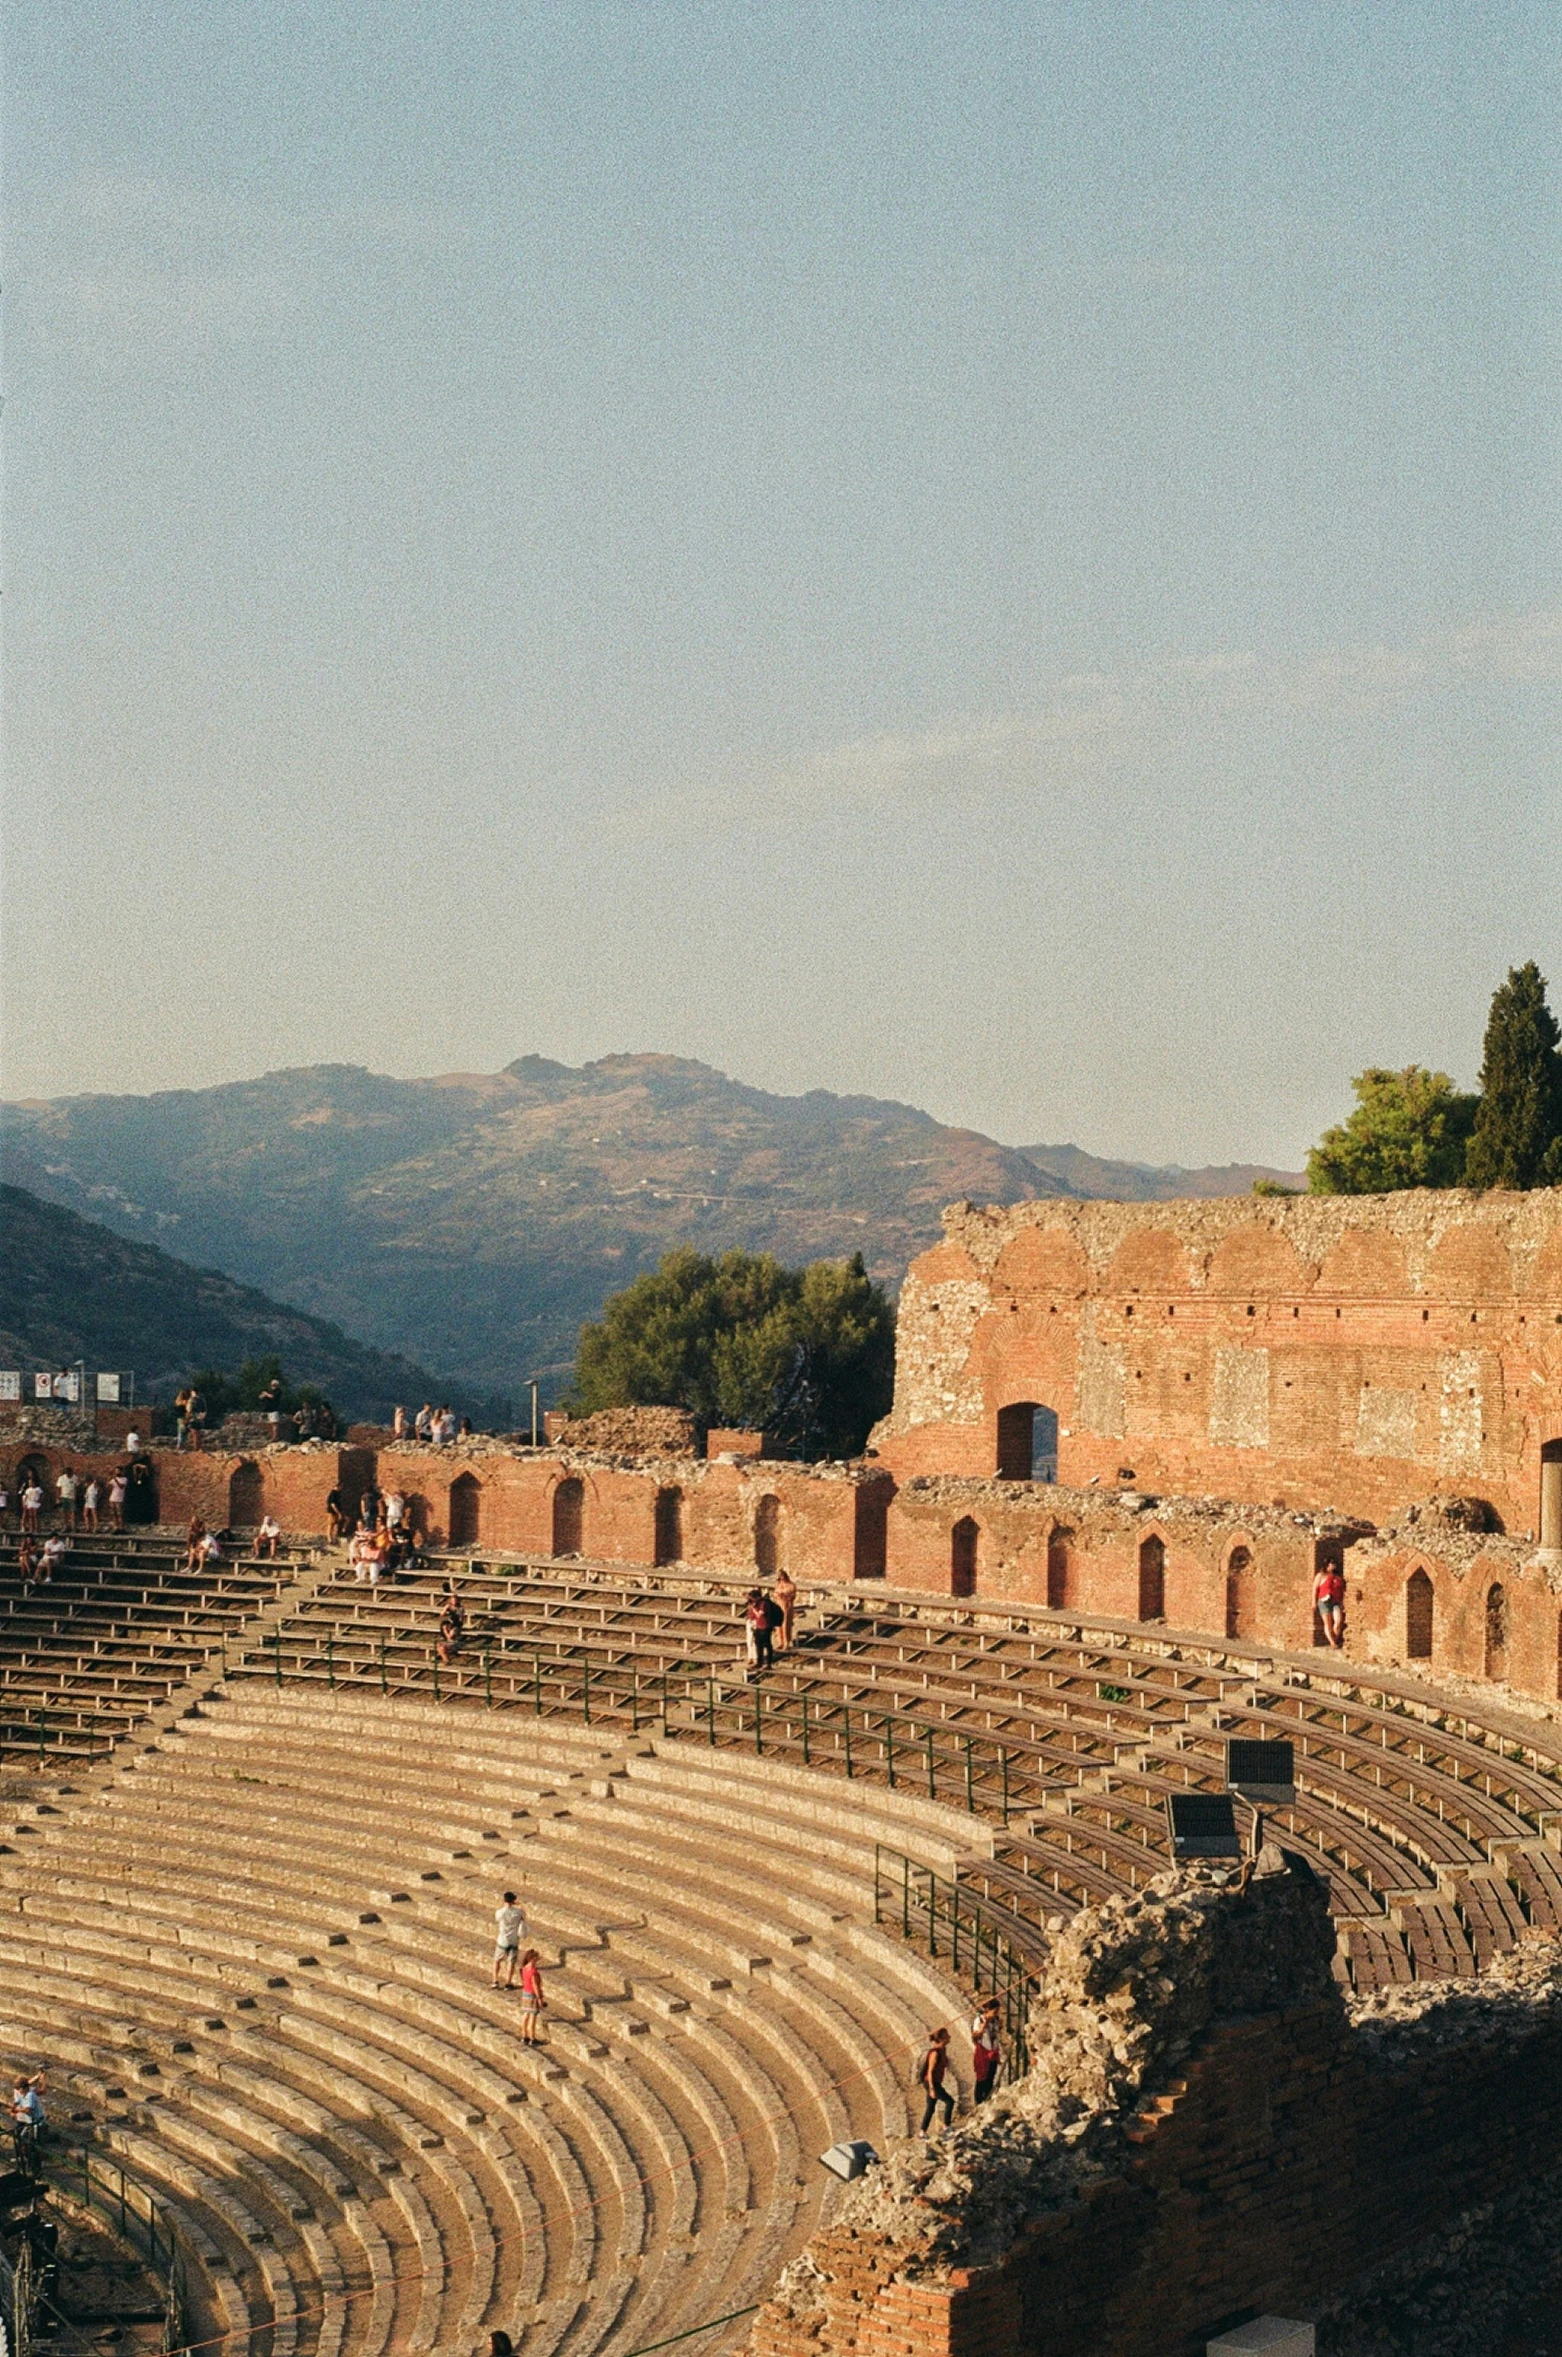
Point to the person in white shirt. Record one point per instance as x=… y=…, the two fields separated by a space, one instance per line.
x=211 y=1550
x=423 y=1422
x=268 y=1536
x=53 y=1554
x=65 y=1492
x=116 y=1501
x=132 y=1443
x=91 y=1499
x=395 y=1508
x=509 y=1931
x=32 y=1505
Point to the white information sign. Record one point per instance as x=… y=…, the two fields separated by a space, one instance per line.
x=10 y=1383
x=108 y=1389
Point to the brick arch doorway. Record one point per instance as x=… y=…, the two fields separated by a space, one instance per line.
x=569 y=1517
x=1060 y=1569
x=1420 y=1605
x=1152 y=1579
x=767 y=1536
x=465 y=1520
x=1241 y=1594
x=668 y=1537
x=246 y=1495
x=1027 y=1442
x=964 y=1541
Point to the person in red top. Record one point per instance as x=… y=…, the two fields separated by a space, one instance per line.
x=532 y=1998
x=986 y=2051
x=1329 y=1598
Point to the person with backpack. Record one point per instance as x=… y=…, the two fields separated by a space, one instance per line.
x=762 y=1617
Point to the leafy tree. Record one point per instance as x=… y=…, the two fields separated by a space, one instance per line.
x=806 y=1354
x=1517 y=1139
x=1409 y=1129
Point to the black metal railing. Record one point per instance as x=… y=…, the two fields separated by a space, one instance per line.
x=102 y=2185
x=984 y=1946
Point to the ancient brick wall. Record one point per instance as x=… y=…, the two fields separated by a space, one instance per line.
x=1348 y=1352
x=1269 y=2164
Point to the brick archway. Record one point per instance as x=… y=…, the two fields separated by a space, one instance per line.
x=569 y=1516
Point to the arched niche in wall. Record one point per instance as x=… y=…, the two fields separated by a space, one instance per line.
x=569 y=1516
x=964 y=1541
x=1420 y=1615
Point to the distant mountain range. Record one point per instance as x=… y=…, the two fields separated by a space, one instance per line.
x=473 y=1221
x=1149 y=1182
x=70 y=1289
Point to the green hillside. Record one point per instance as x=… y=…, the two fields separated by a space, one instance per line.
x=71 y=1289
x=473 y=1221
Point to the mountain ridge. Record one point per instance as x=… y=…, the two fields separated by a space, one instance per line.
x=71 y=1288
x=472 y=1220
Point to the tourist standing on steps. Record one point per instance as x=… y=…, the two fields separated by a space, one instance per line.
x=399 y=1424
x=116 y=1500
x=935 y=2062
x=32 y=1503
x=509 y=1931
x=65 y=1493
x=532 y=1998
x=91 y=1498
x=986 y=2051
x=452 y=1628
x=1329 y=1597
x=27 y=2121
x=785 y=1593
x=423 y=1422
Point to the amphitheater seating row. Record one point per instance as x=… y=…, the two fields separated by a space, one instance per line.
x=257 y=1959
x=86 y=1654
x=1428 y=1825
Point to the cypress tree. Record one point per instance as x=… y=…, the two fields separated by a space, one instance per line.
x=1517 y=1138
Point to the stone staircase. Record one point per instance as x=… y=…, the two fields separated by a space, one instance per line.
x=254 y=1958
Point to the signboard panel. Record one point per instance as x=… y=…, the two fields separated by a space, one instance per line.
x=1262 y=1771
x=1202 y=1825
x=10 y=1383
x=108 y=1389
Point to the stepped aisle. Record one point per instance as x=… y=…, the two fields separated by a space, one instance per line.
x=255 y=1960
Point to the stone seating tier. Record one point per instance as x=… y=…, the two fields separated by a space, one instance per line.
x=257 y=1955
x=1436 y=1829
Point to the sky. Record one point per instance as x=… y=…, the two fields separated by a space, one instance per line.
x=1002 y=557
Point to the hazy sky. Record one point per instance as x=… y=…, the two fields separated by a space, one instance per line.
x=1001 y=556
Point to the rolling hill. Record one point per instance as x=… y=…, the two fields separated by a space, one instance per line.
x=71 y=1289
x=472 y=1221
x=1153 y=1182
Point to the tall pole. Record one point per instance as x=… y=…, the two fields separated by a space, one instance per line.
x=534 y=1412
